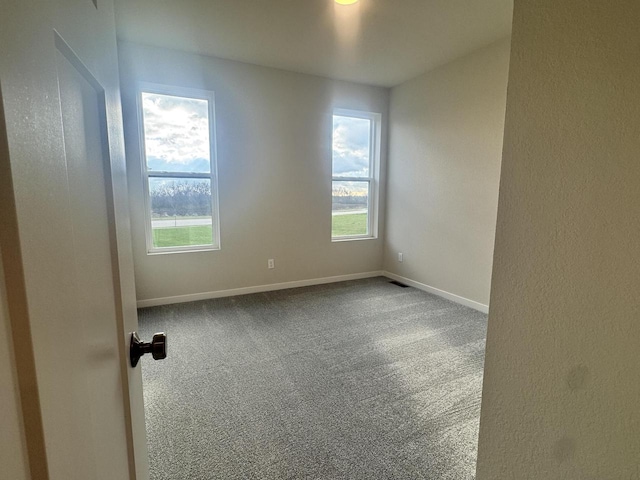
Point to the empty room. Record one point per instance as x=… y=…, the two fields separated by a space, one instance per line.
x=286 y=164
x=323 y=239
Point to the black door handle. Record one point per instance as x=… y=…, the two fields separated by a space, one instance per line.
x=157 y=347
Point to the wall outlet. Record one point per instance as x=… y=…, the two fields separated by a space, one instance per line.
x=271 y=263
x=400 y=259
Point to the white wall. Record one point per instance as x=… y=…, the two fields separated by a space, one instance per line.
x=561 y=393
x=13 y=452
x=446 y=130
x=274 y=162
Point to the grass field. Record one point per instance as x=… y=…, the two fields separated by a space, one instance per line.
x=182 y=236
x=355 y=224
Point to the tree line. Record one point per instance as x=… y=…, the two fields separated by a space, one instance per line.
x=193 y=198
x=181 y=199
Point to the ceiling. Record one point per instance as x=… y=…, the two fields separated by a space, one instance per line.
x=377 y=42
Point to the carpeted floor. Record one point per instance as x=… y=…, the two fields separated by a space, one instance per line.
x=351 y=380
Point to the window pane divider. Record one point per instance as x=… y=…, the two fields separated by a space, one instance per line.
x=352 y=179
x=178 y=174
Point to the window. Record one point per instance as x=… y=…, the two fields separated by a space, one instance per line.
x=355 y=171
x=179 y=169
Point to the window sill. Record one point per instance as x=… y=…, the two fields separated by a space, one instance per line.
x=196 y=249
x=352 y=239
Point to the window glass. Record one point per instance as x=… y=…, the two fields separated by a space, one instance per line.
x=350 y=208
x=353 y=181
x=179 y=170
x=176 y=133
x=180 y=212
x=351 y=146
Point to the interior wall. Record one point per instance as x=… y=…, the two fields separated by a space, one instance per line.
x=274 y=134
x=562 y=384
x=13 y=457
x=446 y=130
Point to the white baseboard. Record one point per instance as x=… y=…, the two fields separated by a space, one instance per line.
x=192 y=297
x=441 y=293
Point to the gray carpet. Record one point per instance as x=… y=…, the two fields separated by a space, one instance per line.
x=351 y=380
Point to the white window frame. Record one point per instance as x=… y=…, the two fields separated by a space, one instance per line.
x=374 y=172
x=145 y=87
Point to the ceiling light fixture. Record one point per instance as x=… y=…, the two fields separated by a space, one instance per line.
x=346 y=2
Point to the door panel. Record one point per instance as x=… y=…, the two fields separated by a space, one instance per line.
x=65 y=241
x=98 y=364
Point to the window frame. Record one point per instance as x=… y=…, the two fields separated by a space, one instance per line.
x=184 y=92
x=374 y=172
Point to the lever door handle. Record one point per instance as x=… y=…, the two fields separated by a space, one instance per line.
x=157 y=347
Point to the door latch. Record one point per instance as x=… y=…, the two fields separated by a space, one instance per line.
x=157 y=347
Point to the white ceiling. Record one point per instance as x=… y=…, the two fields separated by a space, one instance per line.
x=377 y=42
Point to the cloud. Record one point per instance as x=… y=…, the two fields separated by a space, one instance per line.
x=350 y=146
x=176 y=129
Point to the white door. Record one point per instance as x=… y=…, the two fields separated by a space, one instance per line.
x=65 y=241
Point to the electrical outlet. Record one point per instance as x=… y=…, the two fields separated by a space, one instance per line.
x=271 y=263
x=400 y=259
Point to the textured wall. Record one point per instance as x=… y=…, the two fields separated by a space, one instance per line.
x=274 y=163
x=445 y=147
x=562 y=372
